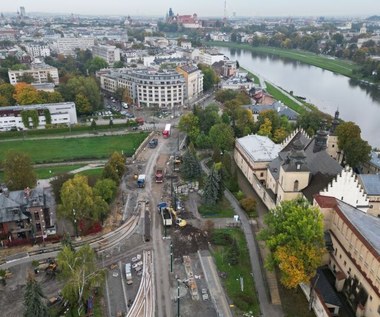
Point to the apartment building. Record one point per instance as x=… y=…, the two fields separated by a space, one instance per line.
x=109 y=53
x=67 y=45
x=354 y=256
x=210 y=57
x=41 y=73
x=60 y=113
x=148 y=88
x=194 y=80
x=38 y=50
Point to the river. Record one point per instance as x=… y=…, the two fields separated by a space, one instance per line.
x=328 y=91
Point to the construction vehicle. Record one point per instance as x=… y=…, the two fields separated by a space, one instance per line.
x=141 y=181
x=128 y=273
x=178 y=221
x=160 y=168
x=167 y=219
x=177 y=162
x=166 y=133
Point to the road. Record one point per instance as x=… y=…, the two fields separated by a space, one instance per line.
x=266 y=307
x=161 y=264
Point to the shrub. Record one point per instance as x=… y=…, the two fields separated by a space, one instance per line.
x=249 y=205
x=221 y=238
x=239 y=195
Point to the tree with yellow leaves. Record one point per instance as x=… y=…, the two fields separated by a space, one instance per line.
x=294 y=234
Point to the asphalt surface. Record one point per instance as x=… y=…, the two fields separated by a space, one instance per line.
x=266 y=307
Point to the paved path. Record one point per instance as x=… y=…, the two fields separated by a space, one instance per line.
x=216 y=290
x=267 y=309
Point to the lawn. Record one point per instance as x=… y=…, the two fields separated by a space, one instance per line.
x=72 y=149
x=93 y=172
x=51 y=171
x=252 y=76
x=279 y=95
x=222 y=209
x=73 y=130
x=245 y=300
x=294 y=303
x=339 y=66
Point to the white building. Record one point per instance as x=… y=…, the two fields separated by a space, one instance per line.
x=210 y=57
x=60 y=113
x=148 y=88
x=41 y=73
x=109 y=53
x=38 y=50
x=67 y=45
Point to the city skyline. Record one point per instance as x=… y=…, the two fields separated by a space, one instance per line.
x=202 y=8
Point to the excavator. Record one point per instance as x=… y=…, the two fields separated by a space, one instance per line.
x=178 y=221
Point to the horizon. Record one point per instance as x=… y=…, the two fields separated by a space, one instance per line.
x=211 y=8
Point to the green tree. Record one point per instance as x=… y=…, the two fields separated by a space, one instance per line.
x=115 y=167
x=26 y=78
x=95 y=64
x=18 y=171
x=6 y=92
x=210 y=78
x=294 y=234
x=106 y=189
x=224 y=95
x=118 y=64
x=249 y=205
x=82 y=104
x=212 y=190
x=190 y=167
x=222 y=136
x=310 y=121
x=77 y=200
x=189 y=123
x=356 y=151
x=81 y=275
x=34 y=299
x=207 y=117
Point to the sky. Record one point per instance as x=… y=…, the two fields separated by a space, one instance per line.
x=201 y=7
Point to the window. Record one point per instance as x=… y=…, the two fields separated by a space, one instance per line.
x=295 y=186
x=261 y=174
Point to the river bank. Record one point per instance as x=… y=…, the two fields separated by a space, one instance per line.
x=342 y=67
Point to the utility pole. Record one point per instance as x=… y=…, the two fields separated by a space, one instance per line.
x=178 y=315
x=171 y=256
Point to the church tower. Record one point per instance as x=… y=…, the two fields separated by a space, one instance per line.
x=332 y=140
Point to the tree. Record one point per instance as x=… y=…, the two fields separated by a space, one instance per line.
x=6 y=92
x=207 y=117
x=356 y=151
x=33 y=299
x=115 y=167
x=249 y=205
x=222 y=136
x=26 y=94
x=189 y=123
x=79 y=271
x=57 y=184
x=95 y=64
x=82 y=104
x=77 y=200
x=280 y=135
x=18 y=171
x=190 y=168
x=294 y=234
x=265 y=128
x=118 y=64
x=105 y=188
x=212 y=187
x=310 y=121
x=210 y=78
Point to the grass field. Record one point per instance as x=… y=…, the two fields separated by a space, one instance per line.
x=252 y=76
x=222 y=209
x=245 y=300
x=279 y=95
x=71 y=149
x=73 y=130
x=338 y=66
x=93 y=172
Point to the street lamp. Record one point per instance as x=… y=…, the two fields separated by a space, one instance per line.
x=75 y=223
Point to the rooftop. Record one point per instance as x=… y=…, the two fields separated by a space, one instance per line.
x=371 y=183
x=260 y=148
x=375 y=159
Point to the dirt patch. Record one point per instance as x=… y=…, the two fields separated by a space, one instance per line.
x=188 y=240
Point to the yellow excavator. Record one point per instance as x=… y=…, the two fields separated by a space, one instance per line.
x=178 y=221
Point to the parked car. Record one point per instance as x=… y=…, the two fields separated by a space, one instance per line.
x=153 y=143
